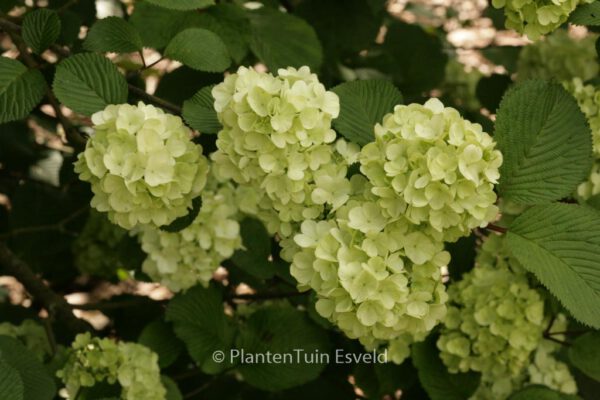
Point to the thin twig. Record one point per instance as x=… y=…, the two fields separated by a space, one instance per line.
x=154 y=100
x=50 y=335
x=55 y=304
x=59 y=226
x=153 y=63
x=496 y=228
x=265 y=296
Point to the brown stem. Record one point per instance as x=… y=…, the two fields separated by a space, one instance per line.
x=266 y=296
x=72 y=134
x=155 y=100
x=496 y=228
x=54 y=303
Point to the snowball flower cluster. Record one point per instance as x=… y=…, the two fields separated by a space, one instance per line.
x=142 y=165
x=376 y=277
x=433 y=167
x=535 y=18
x=183 y=259
x=588 y=98
x=31 y=334
x=495 y=323
x=277 y=138
x=559 y=56
x=131 y=365
x=95 y=249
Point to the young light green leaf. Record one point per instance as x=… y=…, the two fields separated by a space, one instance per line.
x=362 y=105
x=88 y=82
x=199 y=49
x=182 y=4
x=586 y=14
x=434 y=376
x=21 y=89
x=41 y=28
x=159 y=337
x=199 y=112
x=283 y=40
x=545 y=141
x=37 y=382
x=281 y=329
x=200 y=322
x=560 y=244
x=231 y=23
x=113 y=34
x=585 y=354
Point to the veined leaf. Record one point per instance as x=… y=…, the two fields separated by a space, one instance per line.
x=182 y=4
x=21 y=89
x=199 y=112
x=199 y=49
x=113 y=34
x=41 y=28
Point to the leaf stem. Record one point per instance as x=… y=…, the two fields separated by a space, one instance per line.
x=496 y=228
x=175 y=109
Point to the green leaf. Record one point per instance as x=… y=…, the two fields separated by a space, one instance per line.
x=255 y=259
x=158 y=336
x=418 y=61
x=560 y=244
x=183 y=222
x=282 y=40
x=173 y=392
x=546 y=143
x=21 y=89
x=70 y=26
x=594 y=202
x=231 y=24
x=490 y=90
x=11 y=384
x=434 y=376
x=586 y=14
x=37 y=383
x=539 y=392
x=199 y=49
x=199 y=112
x=585 y=354
x=362 y=105
x=113 y=34
x=281 y=329
x=41 y=28
x=200 y=322
x=156 y=25
x=506 y=56
x=182 y=4
x=88 y=82
x=462 y=256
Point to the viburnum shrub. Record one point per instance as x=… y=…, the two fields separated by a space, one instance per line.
x=310 y=198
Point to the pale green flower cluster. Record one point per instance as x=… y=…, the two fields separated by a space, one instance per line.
x=142 y=165
x=559 y=56
x=131 y=365
x=460 y=85
x=495 y=324
x=588 y=98
x=377 y=276
x=277 y=138
x=95 y=248
x=31 y=334
x=183 y=259
x=535 y=18
x=434 y=168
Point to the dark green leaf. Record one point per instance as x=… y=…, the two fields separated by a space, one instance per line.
x=282 y=40
x=586 y=14
x=539 y=392
x=199 y=112
x=41 y=28
x=506 y=56
x=362 y=105
x=585 y=354
x=490 y=90
x=156 y=25
x=113 y=34
x=435 y=378
x=21 y=89
x=70 y=25
x=11 y=384
x=173 y=392
x=89 y=82
x=545 y=141
x=158 y=336
x=560 y=244
x=462 y=254
x=183 y=222
x=255 y=259
x=182 y=4
x=199 y=49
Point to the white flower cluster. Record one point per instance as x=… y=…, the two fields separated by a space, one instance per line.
x=183 y=259
x=559 y=56
x=588 y=98
x=31 y=334
x=131 y=365
x=495 y=324
x=277 y=138
x=142 y=165
x=94 y=250
x=535 y=18
x=377 y=277
x=433 y=167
